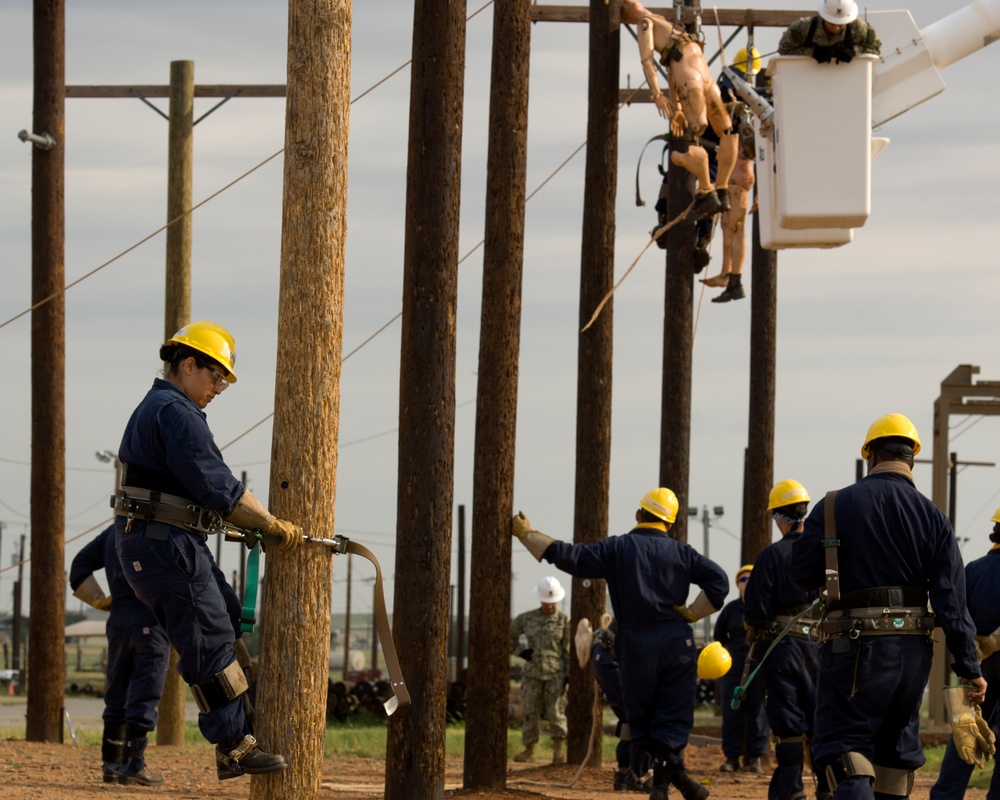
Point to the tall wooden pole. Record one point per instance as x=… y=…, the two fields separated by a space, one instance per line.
x=46 y=658
x=678 y=343
x=177 y=313
x=425 y=494
x=294 y=669
x=759 y=476
x=496 y=401
x=594 y=351
x=180 y=176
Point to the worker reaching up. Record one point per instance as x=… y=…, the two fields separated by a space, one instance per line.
x=649 y=576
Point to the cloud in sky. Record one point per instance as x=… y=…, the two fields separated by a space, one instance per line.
x=863 y=330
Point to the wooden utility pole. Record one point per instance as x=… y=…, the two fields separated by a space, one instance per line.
x=294 y=674
x=594 y=353
x=678 y=344
x=496 y=401
x=759 y=464
x=46 y=655
x=177 y=314
x=425 y=493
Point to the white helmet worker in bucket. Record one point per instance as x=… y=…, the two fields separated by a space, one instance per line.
x=542 y=638
x=838 y=12
x=835 y=34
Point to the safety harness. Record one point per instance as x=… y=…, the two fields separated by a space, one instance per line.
x=134 y=502
x=882 y=610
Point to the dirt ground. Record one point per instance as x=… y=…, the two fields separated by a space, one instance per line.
x=31 y=771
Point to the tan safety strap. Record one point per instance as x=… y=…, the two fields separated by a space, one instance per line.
x=830 y=545
x=401 y=696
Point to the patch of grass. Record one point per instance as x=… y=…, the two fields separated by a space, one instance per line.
x=980 y=777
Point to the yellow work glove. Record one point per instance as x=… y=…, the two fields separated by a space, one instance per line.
x=92 y=594
x=288 y=534
x=536 y=541
x=699 y=609
x=988 y=645
x=974 y=741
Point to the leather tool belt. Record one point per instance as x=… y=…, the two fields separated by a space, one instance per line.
x=855 y=622
x=136 y=503
x=802 y=629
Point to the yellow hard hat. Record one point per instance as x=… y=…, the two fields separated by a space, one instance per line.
x=745 y=568
x=714 y=661
x=996 y=516
x=787 y=493
x=213 y=340
x=661 y=503
x=891 y=425
x=746 y=64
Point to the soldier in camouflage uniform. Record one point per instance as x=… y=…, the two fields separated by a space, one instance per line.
x=542 y=638
x=834 y=34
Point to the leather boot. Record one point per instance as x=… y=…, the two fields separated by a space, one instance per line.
x=527 y=754
x=734 y=291
x=113 y=751
x=135 y=771
x=661 y=781
x=705 y=205
x=246 y=758
x=731 y=764
x=558 y=751
x=753 y=764
x=723 y=194
x=689 y=788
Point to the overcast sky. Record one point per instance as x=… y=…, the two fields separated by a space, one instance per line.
x=863 y=330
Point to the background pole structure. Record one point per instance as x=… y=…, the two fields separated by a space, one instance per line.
x=678 y=343
x=594 y=354
x=759 y=478
x=425 y=491
x=177 y=313
x=294 y=670
x=488 y=680
x=46 y=656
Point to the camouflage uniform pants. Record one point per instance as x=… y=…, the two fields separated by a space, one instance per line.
x=538 y=695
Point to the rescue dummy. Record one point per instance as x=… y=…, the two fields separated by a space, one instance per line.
x=691 y=104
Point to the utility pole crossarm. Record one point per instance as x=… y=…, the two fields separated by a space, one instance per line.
x=205 y=90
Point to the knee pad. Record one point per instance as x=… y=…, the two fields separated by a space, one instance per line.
x=848 y=765
x=892 y=781
x=222 y=689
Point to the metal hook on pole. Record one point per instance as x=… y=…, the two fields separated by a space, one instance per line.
x=42 y=141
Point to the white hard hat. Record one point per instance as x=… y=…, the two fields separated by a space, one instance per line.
x=838 y=12
x=549 y=590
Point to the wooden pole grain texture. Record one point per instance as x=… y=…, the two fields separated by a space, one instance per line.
x=46 y=656
x=295 y=610
x=414 y=768
x=496 y=400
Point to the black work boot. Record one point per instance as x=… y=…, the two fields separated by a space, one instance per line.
x=724 y=204
x=689 y=788
x=246 y=758
x=731 y=764
x=134 y=771
x=753 y=764
x=662 y=775
x=705 y=205
x=734 y=291
x=113 y=751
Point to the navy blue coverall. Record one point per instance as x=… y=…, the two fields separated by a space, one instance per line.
x=744 y=729
x=982 y=591
x=790 y=669
x=138 y=653
x=648 y=573
x=871 y=687
x=168 y=446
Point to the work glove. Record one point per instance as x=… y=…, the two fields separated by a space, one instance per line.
x=92 y=594
x=988 y=645
x=699 y=609
x=975 y=743
x=288 y=534
x=583 y=642
x=536 y=541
